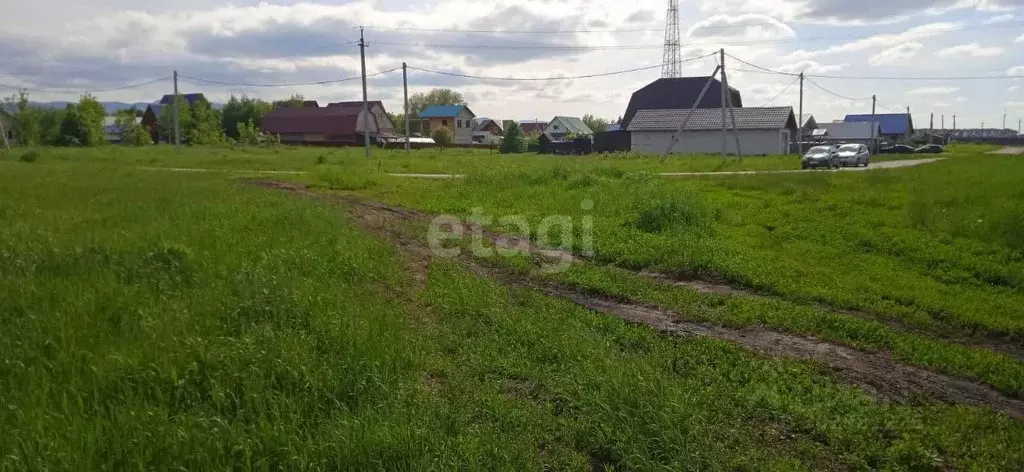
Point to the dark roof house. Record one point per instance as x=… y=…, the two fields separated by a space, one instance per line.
x=677 y=94
x=337 y=122
x=710 y=119
x=891 y=123
x=189 y=97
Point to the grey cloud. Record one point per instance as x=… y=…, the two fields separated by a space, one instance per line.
x=871 y=9
x=640 y=16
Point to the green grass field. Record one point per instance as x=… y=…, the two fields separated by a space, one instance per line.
x=161 y=319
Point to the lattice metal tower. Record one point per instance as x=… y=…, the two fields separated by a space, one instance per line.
x=671 y=65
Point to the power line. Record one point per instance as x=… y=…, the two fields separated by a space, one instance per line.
x=782 y=92
x=111 y=89
x=833 y=93
x=453 y=30
x=766 y=70
x=299 y=84
x=524 y=79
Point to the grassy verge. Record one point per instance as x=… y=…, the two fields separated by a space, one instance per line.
x=184 y=321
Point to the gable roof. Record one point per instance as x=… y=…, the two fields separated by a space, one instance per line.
x=810 y=123
x=711 y=119
x=189 y=97
x=355 y=106
x=328 y=121
x=855 y=130
x=443 y=111
x=479 y=124
x=892 y=123
x=571 y=124
x=533 y=126
x=677 y=93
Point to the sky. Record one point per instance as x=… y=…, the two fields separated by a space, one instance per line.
x=58 y=46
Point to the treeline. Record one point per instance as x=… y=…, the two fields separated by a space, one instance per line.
x=82 y=123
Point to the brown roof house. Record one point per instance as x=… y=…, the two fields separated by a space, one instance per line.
x=341 y=123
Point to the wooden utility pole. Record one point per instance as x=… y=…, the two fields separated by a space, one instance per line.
x=800 y=125
x=177 y=116
x=725 y=138
x=366 y=103
x=874 y=102
x=728 y=103
x=405 y=87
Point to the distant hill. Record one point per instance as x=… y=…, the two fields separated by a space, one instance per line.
x=110 y=107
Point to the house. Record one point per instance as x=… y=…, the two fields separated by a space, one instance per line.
x=560 y=126
x=678 y=94
x=767 y=130
x=486 y=130
x=896 y=127
x=342 y=123
x=458 y=118
x=854 y=133
x=531 y=127
x=7 y=123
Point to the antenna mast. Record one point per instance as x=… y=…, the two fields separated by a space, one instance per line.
x=672 y=58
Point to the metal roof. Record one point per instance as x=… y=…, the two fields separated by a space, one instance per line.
x=678 y=93
x=443 y=111
x=854 y=130
x=711 y=119
x=571 y=124
x=892 y=123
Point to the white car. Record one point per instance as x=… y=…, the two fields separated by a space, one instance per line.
x=855 y=155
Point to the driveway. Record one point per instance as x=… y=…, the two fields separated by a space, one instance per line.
x=873 y=166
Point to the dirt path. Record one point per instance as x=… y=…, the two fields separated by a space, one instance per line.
x=876 y=372
x=1009 y=150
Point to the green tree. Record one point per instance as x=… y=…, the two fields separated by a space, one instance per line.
x=295 y=100
x=166 y=121
x=595 y=124
x=72 y=127
x=248 y=133
x=439 y=96
x=205 y=126
x=513 y=142
x=92 y=115
x=239 y=111
x=443 y=136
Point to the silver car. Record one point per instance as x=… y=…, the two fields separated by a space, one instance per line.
x=855 y=155
x=820 y=156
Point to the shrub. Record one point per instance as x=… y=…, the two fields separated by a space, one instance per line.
x=684 y=212
x=30 y=156
x=139 y=136
x=443 y=136
x=321 y=159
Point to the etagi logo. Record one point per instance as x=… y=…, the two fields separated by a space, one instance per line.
x=557 y=237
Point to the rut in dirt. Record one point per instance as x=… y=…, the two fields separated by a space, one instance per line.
x=876 y=372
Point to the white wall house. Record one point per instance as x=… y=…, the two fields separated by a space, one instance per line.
x=761 y=131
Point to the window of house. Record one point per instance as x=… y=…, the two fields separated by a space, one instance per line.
x=556 y=127
x=444 y=122
x=458 y=123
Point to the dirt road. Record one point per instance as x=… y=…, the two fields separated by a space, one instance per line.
x=873 y=166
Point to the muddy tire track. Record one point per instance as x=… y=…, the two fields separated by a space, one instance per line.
x=876 y=372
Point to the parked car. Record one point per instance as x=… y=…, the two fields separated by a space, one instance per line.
x=897 y=149
x=820 y=156
x=930 y=149
x=855 y=155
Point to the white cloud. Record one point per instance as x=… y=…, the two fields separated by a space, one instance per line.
x=933 y=91
x=895 y=54
x=1016 y=105
x=1015 y=71
x=970 y=50
x=1013 y=89
x=1020 y=39
x=886 y=40
x=940 y=105
x=811 y=67
x=747 y=26
x=960 y=99
x=999 y=19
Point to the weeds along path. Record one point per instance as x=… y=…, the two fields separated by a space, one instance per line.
x=876 y=372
